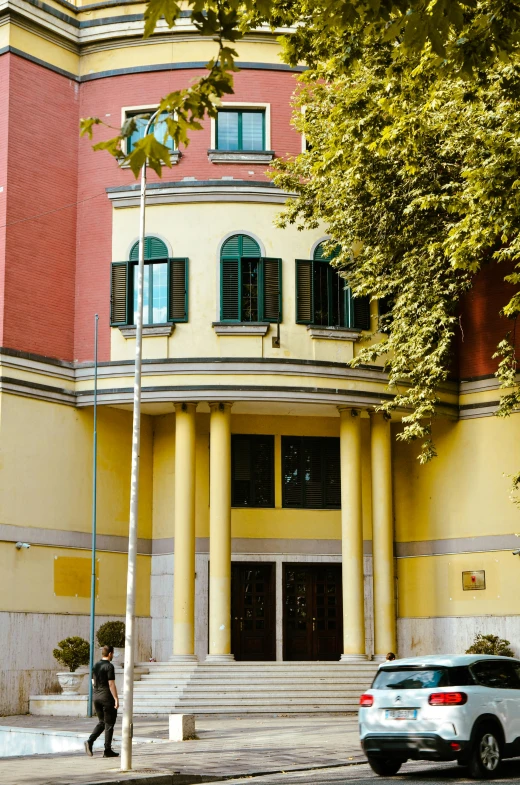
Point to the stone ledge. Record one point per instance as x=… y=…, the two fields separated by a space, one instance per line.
x=242 y=328
x=240 y=156
x=155 y=330
x=334 y=333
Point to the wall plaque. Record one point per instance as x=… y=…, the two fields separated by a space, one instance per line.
x=474 y=580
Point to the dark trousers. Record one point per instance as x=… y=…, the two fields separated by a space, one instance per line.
x=107 y=715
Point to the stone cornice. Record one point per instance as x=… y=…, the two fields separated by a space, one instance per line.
x=186 y=191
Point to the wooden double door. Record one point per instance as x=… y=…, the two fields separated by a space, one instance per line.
x=313 y=612
x=253 y=611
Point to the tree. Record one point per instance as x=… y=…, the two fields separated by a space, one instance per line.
x=415 y=173
x=490 y=644
x=411 y=118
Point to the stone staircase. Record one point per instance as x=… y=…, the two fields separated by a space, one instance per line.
x=252 y=687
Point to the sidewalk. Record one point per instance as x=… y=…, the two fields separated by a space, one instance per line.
x=226 y=748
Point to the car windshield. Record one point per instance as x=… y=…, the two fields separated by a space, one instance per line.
x=410 y=678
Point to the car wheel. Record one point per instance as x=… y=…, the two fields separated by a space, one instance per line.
x=385 y=767
x=485 y=755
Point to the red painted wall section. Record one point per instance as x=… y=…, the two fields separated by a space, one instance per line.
x=482 y=326
x=41 y=211
x=4 y=126
x=105 y=98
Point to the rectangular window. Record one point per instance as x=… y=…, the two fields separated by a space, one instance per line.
x=252 y=471
x=323 y=299
x=311 y=472
x=158 y=129
x=251 y=289
x=165 y=292
x=240 y=129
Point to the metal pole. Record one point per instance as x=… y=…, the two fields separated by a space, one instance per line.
x=94 y=522
x=128 y=692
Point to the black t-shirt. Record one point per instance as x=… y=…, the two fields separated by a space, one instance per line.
x=102 y=673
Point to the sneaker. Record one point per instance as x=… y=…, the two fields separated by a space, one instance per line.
x=88 y=748
x=110 y=754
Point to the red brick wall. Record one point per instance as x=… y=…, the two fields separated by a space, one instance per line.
x=482 y=326
x=104 y=98
x=4 y=118
x=41 y=232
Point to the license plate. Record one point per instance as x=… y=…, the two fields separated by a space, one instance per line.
x=401 y=714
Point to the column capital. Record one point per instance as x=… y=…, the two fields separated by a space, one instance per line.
x=385 y=415
x=354 y=412
x=185 y=407
x=221 y=406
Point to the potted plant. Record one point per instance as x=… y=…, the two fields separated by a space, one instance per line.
x=112 y=633
x=490 y=644
x=72 y=653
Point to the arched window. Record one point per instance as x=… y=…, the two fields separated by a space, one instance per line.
x=165 y=286
x=322 y=297
x=250 y=284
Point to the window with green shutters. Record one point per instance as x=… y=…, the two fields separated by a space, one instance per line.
x=250 y=284
x=165 y=287
x=252 y=471
x=311 y=472
x=322 y=299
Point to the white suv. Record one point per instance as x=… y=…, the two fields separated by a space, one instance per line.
x=464 y=708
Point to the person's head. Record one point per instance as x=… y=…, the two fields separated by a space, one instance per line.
x=390 y=656
x=107 y=652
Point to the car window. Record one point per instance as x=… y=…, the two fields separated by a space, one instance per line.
x=498 y=674
x=460 y=676
x=410 y=678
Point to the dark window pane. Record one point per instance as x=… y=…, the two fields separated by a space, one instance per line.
x=252 y=471
x=337 y=296
x=497 y=674
x=311 y=473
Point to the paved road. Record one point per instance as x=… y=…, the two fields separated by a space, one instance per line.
x=420 y=773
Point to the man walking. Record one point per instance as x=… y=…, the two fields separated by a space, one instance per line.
x=106 y=702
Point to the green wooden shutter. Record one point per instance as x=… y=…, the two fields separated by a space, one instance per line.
x=263 y=471
x=292 y=471
x=271 y=290
x=331 y=473
x=361 y=313
x=252 y=472
x=230 y=290
x=119 y=294
x=177 y=290
x=313 y=473
x=250 y=248
x=154 y=248
x=241 y=491
x=304 y=292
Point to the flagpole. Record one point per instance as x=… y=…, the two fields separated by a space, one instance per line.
x=94 y=522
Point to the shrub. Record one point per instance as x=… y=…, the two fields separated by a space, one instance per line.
x=111 y=633
x=490 y=644
x=72 y=652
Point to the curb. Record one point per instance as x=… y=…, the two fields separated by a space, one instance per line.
x=156 y=778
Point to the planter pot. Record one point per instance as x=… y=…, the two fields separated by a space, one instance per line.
x=70 y=683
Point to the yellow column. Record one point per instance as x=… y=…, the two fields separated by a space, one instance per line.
x=352 y=536
x=382 y=536
x=184 y=564
x=220 y=533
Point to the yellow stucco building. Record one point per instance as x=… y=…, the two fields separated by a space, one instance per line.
x=279 y=517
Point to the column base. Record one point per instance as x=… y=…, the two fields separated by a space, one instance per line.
x=379 y=658
x=220 y=658
x=353 y=658
x=183 y=658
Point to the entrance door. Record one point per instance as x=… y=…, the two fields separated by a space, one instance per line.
x=253 y=611
x=313 y=612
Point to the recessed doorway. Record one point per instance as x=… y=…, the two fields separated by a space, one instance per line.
x=312 y=612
